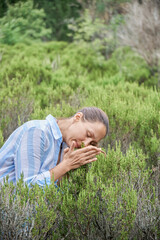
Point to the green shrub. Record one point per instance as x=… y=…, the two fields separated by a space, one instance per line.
x=16 y=105
x=22 y=23
x=108 y=199
x=61 y=78
x=78 y=63
x=127 y=64
x=31 y=212
x=134 y=116
x=116 y=197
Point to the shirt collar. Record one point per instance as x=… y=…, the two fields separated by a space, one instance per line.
x=54 y=127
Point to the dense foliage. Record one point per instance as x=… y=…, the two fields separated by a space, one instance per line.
x=112 y=196
x=117 y=197
x=23 y=23
x=45 y=77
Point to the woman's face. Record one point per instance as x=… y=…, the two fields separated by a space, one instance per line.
x=88 y=133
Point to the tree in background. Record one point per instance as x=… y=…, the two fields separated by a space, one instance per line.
x=4 y=5
x=61 y=13
x=103 y=9
x=58 y=15
x=23 y=23
x=98 y=24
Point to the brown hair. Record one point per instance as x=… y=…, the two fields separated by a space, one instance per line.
x=94 y=114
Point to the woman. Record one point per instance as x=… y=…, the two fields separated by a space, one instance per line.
x=38 y=147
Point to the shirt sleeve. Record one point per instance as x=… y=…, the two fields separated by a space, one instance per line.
x=29 y=157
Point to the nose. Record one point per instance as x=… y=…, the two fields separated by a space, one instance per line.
x=87 y=142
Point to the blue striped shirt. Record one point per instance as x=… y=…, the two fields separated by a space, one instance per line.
x=32 y=149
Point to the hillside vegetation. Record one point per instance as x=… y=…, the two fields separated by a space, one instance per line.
x=117 y=197
x=60 y=78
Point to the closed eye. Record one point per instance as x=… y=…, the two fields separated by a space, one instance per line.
x=94 y=144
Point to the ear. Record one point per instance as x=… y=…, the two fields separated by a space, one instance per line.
x=78 y=116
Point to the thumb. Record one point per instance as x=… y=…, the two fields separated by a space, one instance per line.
x=66 y=150
x=72 y=147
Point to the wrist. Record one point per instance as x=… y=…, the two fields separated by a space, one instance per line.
x=65 y=166
x=59 y=171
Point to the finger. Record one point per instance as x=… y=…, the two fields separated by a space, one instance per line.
x=72 y=147
x=92 y=160
x=99 y=150
x=86 y=155
x=66 y=150
x=88 y=148
x=90 y=153
x=86 y=158
x=104 y=153
x=89 y=161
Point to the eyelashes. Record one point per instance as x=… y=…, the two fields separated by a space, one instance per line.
x=94 y=144
x=89 y=135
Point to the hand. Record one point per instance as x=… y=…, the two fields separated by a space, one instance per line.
x=74 y=159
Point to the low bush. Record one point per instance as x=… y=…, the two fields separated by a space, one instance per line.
x=57 y=75
x=134 y=116
x=115 y=197
x=16 y=105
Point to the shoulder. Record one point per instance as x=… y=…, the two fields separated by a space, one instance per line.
x=32 y=131
x=52 y=122
x=46 y=130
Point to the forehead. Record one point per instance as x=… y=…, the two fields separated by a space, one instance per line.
x=98 y=128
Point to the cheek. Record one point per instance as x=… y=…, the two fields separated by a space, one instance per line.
x=78 y=132
x=81 y=135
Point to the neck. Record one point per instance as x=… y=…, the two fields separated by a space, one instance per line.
x=64 y=124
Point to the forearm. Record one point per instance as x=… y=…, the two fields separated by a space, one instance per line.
x=59 y=171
